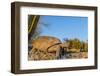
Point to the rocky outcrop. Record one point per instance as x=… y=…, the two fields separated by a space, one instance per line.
x=41 y=49
x=51 y=48
x=43 y=42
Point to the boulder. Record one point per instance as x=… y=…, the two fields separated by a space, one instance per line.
x=43 y=42
x=44 y=48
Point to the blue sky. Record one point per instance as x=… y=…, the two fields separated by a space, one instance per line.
x=64 y=27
